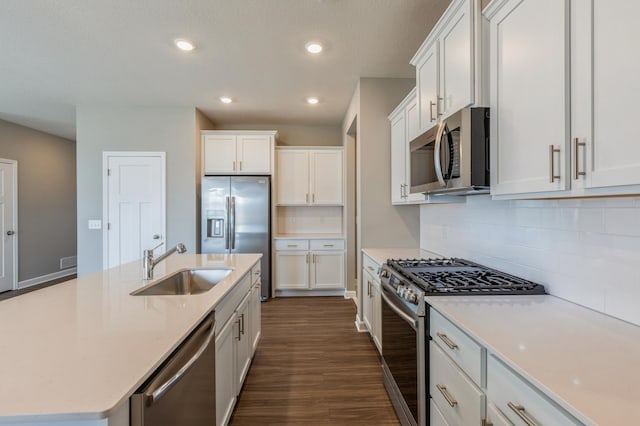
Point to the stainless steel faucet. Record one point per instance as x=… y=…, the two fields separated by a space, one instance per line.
x=148 y=262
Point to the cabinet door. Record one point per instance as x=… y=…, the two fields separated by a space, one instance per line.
x=254 y=154
x=293 y=177
x=529 y=96
x=219 y=154
x=495 y=416
x=243 y=342
x=367 y=300
x=292 y=270
x=376 y=314
x=225 y=376
x=456 y=62
x=412 y=130
x=398 y=159
x=327 y=269
x=615 y=151
x=255 y=314
x=427 y=82
x=326 y=177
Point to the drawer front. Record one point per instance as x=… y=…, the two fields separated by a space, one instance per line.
x=518 y=400
x=435 y=416
x=370 y=265
x=455 y=343
x=327 y=245
x=495 y=416
x=292 y=244
x=460 y=401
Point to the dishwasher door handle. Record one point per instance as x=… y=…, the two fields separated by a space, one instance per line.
x=155 y=392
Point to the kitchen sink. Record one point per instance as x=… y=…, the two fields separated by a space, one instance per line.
x=193 y=281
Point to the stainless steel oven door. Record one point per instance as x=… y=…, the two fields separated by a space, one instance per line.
x=403 y=359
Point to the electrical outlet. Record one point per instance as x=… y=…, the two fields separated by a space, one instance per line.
x=95 y=224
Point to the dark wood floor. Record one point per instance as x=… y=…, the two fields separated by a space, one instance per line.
x=313 y=368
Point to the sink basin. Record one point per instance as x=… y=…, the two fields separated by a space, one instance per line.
x=194 y=281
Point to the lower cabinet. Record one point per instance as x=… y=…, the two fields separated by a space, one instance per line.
x=371 y=308
x=309 y=265
x=238 y=329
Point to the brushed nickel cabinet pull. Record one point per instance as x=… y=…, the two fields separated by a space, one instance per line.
x=447 y=341
x=313 y=198
x=431 y=105
x=520 y=411
x=240 y=165
x=438 y=106
x=328 y=245
x=552 y=175
x=292 y=245
x=306 y=198
x=239 y=337
x=234 y=165
x=368 y=288
x=307 y=257
x=576 y=145
x=313 y=258
x=370 y=268
x=445 y=393
x=242 y=323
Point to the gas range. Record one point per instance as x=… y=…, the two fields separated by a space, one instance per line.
x=413 y=279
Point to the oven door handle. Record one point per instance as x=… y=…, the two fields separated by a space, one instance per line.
x=404 y=316
x=436 y=153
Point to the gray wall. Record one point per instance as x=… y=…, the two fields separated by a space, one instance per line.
x=381 y=224
x=111 y=128
x=202 y=123
x=46 y=197
x=294 y=135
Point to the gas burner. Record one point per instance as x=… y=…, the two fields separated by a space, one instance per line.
x=426 y=263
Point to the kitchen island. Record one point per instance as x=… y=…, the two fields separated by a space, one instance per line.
x=74 y=353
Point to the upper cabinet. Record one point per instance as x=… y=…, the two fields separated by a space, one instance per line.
x=404 y=126
x=243 y=152
x=309 y=176
x=448 y=64
x=556 y=97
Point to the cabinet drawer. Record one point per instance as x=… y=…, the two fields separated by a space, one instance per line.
x=495 y=416
x=455 y=343
x=435 y=416
x=370 y=265
x=292 y=244
x=327 y=244
x=460 y=401
x=517 y=399
x=225 y=308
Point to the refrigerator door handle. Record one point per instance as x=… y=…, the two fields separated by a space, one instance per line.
x=233 y=223
x=228 y=227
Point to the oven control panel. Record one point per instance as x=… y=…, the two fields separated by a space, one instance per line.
x=403 y=289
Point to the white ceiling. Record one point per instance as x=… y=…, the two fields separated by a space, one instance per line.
x=56 y=54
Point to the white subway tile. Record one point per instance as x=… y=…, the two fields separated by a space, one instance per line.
x=621 y=221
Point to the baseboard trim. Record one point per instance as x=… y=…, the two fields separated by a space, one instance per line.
x=48 y=277
x=306 y=293
x=361 y=326
x=350 y=295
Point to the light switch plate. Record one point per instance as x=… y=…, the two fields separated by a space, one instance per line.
x=95 y=224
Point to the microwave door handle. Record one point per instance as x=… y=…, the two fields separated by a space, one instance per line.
x=436 y=153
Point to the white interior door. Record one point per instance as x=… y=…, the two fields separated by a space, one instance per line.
x=8 y=224
x=135 y=205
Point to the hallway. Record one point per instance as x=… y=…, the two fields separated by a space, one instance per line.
x=313 y=368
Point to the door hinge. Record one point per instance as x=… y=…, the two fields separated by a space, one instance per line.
x=108 y=226
x=108 y=172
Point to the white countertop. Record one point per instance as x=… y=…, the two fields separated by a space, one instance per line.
x=380 y=255
x=588 y=362
x=78 y=349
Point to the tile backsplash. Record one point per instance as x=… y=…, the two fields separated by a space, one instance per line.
x=583 y=250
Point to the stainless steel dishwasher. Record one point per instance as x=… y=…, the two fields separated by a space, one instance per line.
x=182 y=391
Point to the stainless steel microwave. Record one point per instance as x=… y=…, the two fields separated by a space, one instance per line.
x=453 y=157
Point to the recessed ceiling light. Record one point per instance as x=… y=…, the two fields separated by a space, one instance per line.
x=312 y=101
x=313 y=47
x=185 y=45
x=226 y=100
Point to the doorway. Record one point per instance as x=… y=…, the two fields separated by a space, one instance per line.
x=9 y=224
x=134 y=205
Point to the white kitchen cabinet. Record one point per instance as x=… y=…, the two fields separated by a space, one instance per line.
x=449 y=64
x=495 y=416
x=371 y=300
x=518 y=401
x=404 y=125
x=309 y=176
x=310 y=264
x=225 y=375
x=255 y=311
x=569 y=89
x=243 y=342
x=529 y=96
x=226 y=152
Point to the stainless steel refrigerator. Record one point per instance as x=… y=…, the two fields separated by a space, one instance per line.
x=235 y=218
